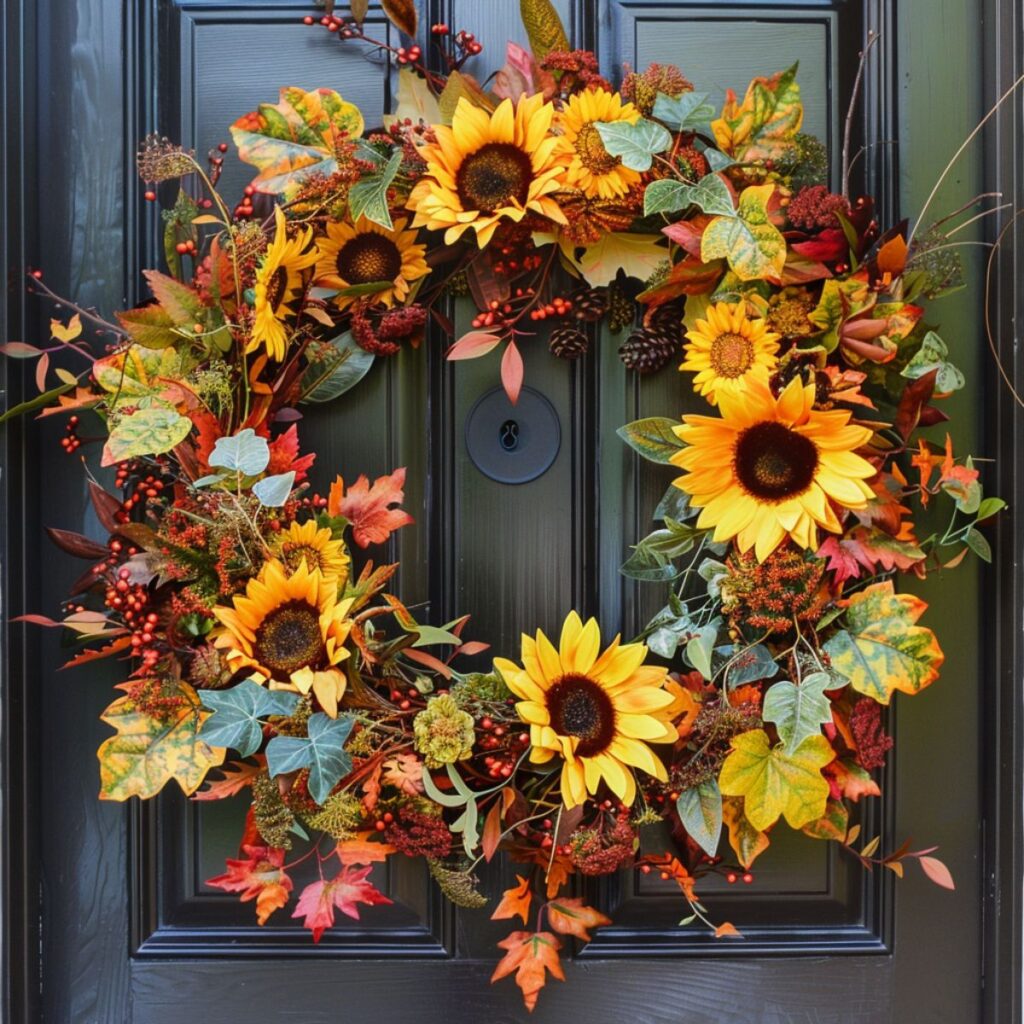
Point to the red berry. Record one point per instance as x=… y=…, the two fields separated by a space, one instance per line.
x=149 y=196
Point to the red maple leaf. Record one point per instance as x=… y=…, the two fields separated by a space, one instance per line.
x=344 y=892
x=367 y=508
x=284 y=455
x=260 y=876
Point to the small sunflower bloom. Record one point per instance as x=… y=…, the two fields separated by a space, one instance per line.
x=597 y=711
x=727 y=350
x=773 y=468
x=315 y=547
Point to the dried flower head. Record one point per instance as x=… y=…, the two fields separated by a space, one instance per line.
x=443 y=732
x=642 y=87
x=159 y=159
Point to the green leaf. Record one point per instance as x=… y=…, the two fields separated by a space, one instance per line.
x=341 y=369
x=151 y=431
x=976 y=541
x=150 y=326
x=245 y=452
x=544 y=27
x=322 y=751
x=752 y=665
x=752 y=245
x=236 y=713
x=700 y=649
x=932 y=355
x=273 y=491
x=439 y=797
x=368 y=197
x=675 y=504
x=468 y=824
x=36 y=403
x=648 y=566
x=799 y=711
x=700 y=811
x=710 y=194
x=634 y=144
x=688 y=111
x=989 y=507
x=654 y=438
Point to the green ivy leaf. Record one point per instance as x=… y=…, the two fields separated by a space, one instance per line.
x=634 y=144
x=799 y=711
x=151 y=431
x=689 y=111
x=700 y=811
x=933 y=355
x=753 y=246
x=368 y=197
x=237 y=711
x=322 y=751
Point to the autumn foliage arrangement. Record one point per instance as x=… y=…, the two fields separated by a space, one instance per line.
x=266 y=657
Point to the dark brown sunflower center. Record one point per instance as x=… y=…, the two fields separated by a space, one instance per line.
x=369 y=257
x=277 y=285
x=774 y=463
x=289 y=638
x=497 y=174
x=591 y=151
x=579 y=707
x=731 y=355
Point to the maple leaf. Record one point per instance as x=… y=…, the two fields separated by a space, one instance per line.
x=774 y=781
x=515 y=901
x=360 y=851
x=260 y=876
x=870 y=549
x=284 y=456
x=344 y=892
x=672 y=867
x=847 y=779
x=237 y=776
x=404 y=772
x=763 y=125
x=572 y=917
x=367 y=509
x=530 y=954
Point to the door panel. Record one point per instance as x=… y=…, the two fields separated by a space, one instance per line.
x=516 y=556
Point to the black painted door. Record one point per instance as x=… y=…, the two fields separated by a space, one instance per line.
x=127 y=931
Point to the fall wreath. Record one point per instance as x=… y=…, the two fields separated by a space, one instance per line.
x=265 y=657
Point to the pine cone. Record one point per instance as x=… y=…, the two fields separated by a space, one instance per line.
x=568 y=343
x=647 y=350
x=590 y=304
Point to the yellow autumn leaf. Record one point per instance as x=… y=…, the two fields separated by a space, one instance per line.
x=763 y=126
x=149 y=751
x=774 y=782
x=752 y=244
x=66 y=333
x=638 y=256
x=747 y=842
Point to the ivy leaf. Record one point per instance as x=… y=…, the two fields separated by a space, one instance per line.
x=654 y=438
x=799 y=711
x=273 y=491
x=336 y=367
x=933 y=355
x=322 y=751
x=295 y=138
x=634 y=144
x=150 y=431
x=245 y=452
x=368 y=197
x=752 y=665
x=882 y=649
x=544 y=28
x=710 y=194
x=700 y=811
x=148 y=751
x=236 y=713
x=774 y=782
x=764 y=124
x=747 y=842
x=753 y=246
x=688 y=111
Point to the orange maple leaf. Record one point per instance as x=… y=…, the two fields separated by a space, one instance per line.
x=515 y=901
x=359 y=851
x=236 y=777
x=260 y=876
x=726 y=930
x=572 y=917
x=529 y=955
x=671 y=867
x=404 y=772
x=367 y=508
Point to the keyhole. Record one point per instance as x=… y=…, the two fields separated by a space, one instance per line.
x=508 y=438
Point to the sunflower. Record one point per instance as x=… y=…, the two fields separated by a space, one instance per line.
x=772 y=468
x=289 y=629
x=315 y=547
x=279 y=281
x=594 y=711
x=367 y=253
x=728 y=350
x=489 y=166
x=589 y=166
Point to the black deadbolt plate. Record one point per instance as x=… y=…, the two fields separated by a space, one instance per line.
x=513 y=444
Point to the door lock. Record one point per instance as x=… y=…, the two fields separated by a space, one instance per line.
x=513 y=444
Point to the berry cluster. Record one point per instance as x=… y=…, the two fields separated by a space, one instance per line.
x=71 y=442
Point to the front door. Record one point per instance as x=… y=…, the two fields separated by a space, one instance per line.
x=128 y=931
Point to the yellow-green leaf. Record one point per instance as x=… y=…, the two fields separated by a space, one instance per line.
x=149 y=751
x=764 y=124
x=882 y=650
x=296 y=137
x=747 y=842
x=750 y=242
x=638 y=256
x=543 y=26
x=458 y=87
x=68 y=333
x=832 y=824
x=150 y=431
x=774 y=782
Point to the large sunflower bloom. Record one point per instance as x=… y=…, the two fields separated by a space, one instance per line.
x=290 y=630
x=366 y=253
x=279 y=282
x=589 y=166
x=772 y=468
x=594 y=710
x=489 y=167
x=728 y=350
x=315 y=547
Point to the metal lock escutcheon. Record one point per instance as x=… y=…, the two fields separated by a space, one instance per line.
x=513 y=444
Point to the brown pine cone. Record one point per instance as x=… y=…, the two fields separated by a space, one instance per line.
x=568 y=343
x=647 y=350
x=590 y=304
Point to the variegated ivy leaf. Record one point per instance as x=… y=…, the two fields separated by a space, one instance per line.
x=799 y=711
x=634 y=144
x=934 y=355
x=753 y=246
x=151 y=431
x=237 y=711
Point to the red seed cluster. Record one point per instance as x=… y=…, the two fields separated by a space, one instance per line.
x=71 y=442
